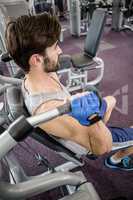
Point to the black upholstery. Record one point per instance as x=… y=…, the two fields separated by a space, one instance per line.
x=82 y=60
x=92 y=40
x=129 y=6
x=15 y=103
x=42 y=6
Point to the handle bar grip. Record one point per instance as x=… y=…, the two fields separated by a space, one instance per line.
x=49 y=115
x=65 y=108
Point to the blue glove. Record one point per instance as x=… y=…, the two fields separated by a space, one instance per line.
x=86 y=109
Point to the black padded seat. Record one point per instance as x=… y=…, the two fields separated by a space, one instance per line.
x=81 y=61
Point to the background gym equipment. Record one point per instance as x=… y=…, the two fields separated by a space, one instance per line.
x=122 y=15
x=77 y=75
x=40 y=6
x=80 y=15
x=78 y=72
x=14 y=8
x=81 y=12
x=87 y=60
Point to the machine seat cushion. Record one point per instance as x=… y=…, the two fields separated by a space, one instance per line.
x=80 y=61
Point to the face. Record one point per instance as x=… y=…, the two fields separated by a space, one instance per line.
x=51 y=58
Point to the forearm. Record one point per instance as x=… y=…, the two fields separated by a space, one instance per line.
x=111 y=102
x=100 y=138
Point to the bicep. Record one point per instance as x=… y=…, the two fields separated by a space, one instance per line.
x=63 y=126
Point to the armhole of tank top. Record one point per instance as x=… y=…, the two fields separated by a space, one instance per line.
x=35 y=109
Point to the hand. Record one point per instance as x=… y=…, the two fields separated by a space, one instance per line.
x=86 y=108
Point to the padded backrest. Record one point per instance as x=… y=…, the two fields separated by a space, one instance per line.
x=15 y=103
x=42 y=6
x=95 y=32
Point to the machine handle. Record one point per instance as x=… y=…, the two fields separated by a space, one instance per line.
x=64 y=109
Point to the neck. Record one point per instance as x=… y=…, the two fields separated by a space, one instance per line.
x=38 y=76
x=37 y=81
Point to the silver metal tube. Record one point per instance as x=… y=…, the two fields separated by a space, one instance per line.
x=38 y=185
x=3 y=88
x=6 y=143
x=43 y=117
x=10 y=80
x=99 y=77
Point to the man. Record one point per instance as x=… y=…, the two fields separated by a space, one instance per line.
x=32 y=41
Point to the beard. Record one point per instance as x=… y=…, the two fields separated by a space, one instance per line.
x=50 y=66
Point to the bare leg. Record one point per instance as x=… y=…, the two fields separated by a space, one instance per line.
x=122 y=153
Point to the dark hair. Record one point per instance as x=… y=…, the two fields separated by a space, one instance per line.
x=31 y=34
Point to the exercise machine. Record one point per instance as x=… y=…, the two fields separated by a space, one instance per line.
x=122 y=12
x=80 y=15
x=83 y=63
x=81 y=12
x=40 y=6
x=21 y=186
x=14 y=8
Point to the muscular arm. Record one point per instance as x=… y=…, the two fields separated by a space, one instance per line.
x=95 y=138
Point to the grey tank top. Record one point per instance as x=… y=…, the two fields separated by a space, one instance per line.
x=33 y=101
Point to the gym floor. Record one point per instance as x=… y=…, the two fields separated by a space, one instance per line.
x=116 y=49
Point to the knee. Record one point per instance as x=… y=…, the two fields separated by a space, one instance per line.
x=102 y=150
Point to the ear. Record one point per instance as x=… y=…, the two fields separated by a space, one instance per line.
x=35 y=60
